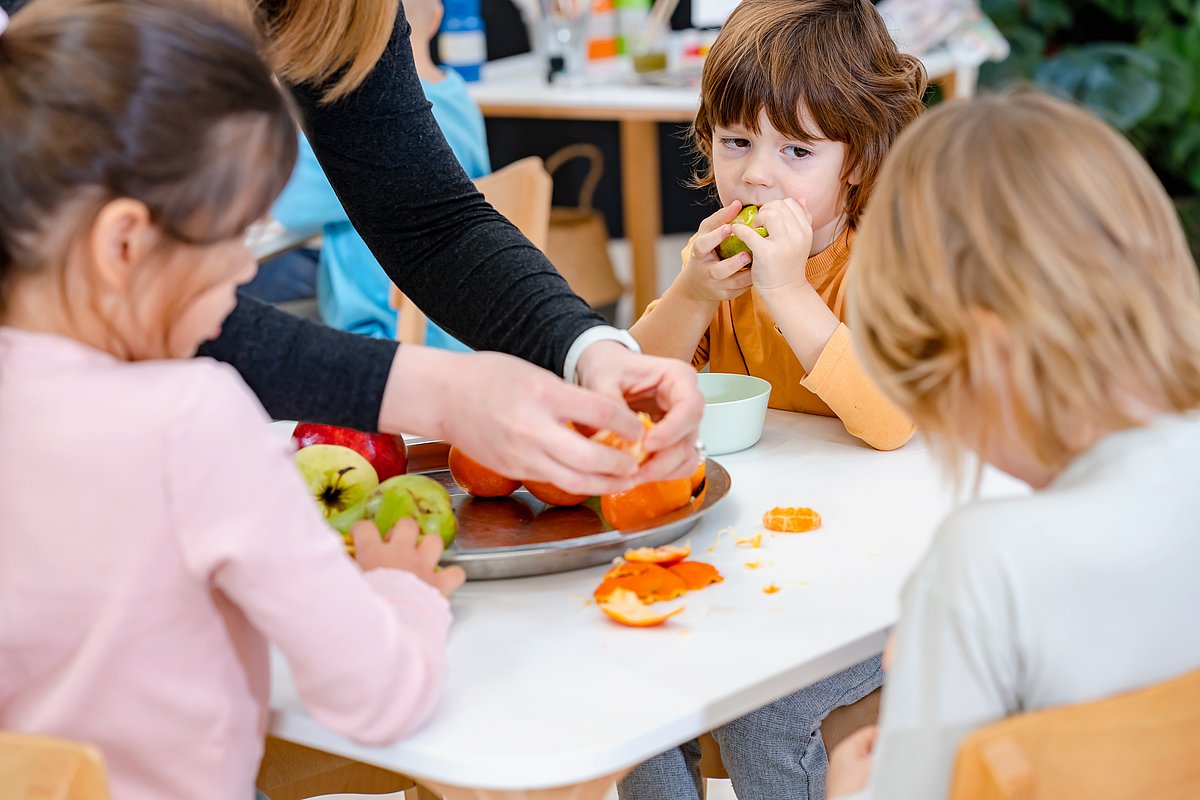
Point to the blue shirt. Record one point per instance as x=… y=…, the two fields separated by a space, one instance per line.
x=352 y=289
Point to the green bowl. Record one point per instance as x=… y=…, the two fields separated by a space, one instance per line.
x=735 y=408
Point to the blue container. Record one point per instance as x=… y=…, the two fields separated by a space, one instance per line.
x=462 y=45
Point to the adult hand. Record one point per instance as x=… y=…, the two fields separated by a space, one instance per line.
x=512 y=416
x=401 y=550
x=665 y=388
x=850 y=764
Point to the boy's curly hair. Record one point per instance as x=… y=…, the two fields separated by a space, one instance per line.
x=833 y=60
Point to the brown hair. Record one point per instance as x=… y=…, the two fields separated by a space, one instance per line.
x=833 y=58
x=311 y=42
x=155 y=100
x=1026 y=211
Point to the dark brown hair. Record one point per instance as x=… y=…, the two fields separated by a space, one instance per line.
x=832 y=58
x=156 y=100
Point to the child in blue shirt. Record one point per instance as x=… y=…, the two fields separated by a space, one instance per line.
x=352 y=289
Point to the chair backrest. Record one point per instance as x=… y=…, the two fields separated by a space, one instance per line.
x=43 y=768
x=521 y=192
x=1140 y=744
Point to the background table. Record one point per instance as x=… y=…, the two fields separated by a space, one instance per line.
x=516 y=87
x=544 y=691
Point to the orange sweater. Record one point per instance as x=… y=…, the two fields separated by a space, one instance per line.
x=743 y=338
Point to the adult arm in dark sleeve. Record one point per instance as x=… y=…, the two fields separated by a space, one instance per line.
x=460 y=261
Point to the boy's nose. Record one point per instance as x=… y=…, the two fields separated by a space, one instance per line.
x=757 y=171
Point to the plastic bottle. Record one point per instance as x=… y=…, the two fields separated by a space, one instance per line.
x=602 y=31
x=462 y=45
x=632 y=18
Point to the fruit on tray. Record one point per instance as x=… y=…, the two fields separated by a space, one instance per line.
x=791 y=519
x=731 y=245
x=386 y=452
x=551 y=495
x=476 y=479
x=635 y=448
x=645 y=502
x=624 y=607
x=341 y=481
x=418 y=497
x=664 y=556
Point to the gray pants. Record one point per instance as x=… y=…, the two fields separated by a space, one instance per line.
x=774 y=753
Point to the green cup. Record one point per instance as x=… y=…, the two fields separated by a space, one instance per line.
x=735 y=409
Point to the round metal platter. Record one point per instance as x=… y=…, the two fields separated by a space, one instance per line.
x=517 y=536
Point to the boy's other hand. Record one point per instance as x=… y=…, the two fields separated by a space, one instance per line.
x=850 y=763
x=781 y=256
x=706 y=276
x=402 y=550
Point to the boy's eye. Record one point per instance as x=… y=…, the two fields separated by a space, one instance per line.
x=796 y=151
x=734 y=142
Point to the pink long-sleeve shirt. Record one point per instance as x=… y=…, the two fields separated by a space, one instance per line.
x=154 y=537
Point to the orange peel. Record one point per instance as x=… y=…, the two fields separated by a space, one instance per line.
x=624 y=607
x=696 y=574
x=770 y=588
x=652 y=584
x=791 y=519
x=664 y=556
x=645 y=502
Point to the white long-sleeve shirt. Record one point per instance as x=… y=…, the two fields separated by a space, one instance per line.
x=1083 y=590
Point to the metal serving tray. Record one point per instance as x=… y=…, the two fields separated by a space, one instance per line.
x=518 y=536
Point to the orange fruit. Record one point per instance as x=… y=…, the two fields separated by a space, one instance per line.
x=698 y=478
x=649 y=582
x=696 y=574
x=551 y=495
x=476 y=479
x=791 y=519
x=645 y=502
x=624 y=607
x=634 y=448
x=663 y=556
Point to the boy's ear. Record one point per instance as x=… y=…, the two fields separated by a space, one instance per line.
x=121 y=236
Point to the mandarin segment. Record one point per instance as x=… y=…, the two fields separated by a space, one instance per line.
x=633 y=448
x=624 y=607
x=663 y=556
x=791 y=519
x=476 y=479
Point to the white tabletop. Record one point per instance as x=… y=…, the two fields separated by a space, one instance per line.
x=520 y=81
x=543 y=690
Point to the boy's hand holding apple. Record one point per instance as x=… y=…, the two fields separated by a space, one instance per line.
x=781 y=258
x=404 y=549
x=706 y=276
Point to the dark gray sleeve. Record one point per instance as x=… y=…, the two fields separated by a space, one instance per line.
x=465 y=265
x=302 y=370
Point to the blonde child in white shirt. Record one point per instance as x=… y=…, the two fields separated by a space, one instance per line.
x=1024 y=290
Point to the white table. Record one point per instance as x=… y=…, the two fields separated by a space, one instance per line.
x=543 y=691
x=516 y=87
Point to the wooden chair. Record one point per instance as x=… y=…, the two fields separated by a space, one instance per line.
x=840 y=723
x=294 y=772
x=521 y=192
x=43 y=768
x=1140 y=744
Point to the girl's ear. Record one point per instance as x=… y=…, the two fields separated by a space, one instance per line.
x=121 y=236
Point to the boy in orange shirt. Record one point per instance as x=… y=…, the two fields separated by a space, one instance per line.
x=798 y=105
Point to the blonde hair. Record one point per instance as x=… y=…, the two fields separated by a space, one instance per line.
x=834 y=58
x=312 y=41
x=1027 y=211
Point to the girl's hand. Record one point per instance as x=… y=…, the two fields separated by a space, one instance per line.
x=850 y=762
x=780 y=257
x=401 y=550
x=706 y=277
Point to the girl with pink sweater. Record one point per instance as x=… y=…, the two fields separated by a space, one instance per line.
x=154 y=534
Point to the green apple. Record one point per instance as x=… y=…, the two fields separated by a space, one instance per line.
x=341 y=481
x=732 y=245
x=418 y=497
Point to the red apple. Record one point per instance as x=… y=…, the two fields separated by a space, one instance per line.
x=386 y=452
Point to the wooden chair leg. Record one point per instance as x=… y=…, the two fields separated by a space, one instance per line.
x=294 y=772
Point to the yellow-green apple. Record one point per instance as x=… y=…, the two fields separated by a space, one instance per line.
x=341 y=481
x=386 y=451
x=731 y=245
x=416 y=496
